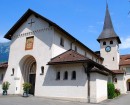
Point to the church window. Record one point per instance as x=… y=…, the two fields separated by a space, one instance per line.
x=113 y=58
x=65 y=75
x=111 y=42
x=73 y=75
x=62 y=42
x=104 y=43
x=42 y=70
x=58 y=76
x=76 y=48
x=115 y=80
x=12 y=72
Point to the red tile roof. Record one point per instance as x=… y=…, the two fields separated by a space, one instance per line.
x=2 y=65
x=118 y=71
x=69 y=56
x=125 y=60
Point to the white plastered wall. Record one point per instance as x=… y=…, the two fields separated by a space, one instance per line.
x=46 y=46
x=65 y=89
x=41 y=52
x=98 y=87
x=121 y=84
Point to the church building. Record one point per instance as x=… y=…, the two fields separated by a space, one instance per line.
x=58 y=65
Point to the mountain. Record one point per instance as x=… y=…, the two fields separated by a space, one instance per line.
x=4 y=52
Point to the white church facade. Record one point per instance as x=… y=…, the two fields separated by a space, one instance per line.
x=61 y=67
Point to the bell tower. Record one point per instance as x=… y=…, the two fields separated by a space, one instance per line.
x=109 y=44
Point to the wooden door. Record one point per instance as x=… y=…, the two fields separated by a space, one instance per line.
x=32 y=82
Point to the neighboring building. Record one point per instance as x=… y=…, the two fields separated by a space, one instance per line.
x=58 y=65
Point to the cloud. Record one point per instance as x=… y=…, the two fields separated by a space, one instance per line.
x=125 y=43
x=3 y=39
x=92 y=29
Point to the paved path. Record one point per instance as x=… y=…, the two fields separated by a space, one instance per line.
x=121 y=100
x=18 y=100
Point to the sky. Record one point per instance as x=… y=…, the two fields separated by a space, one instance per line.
x=83 y=19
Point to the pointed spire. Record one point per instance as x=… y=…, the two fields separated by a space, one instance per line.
x=108 y=30
x=106 y=4
x=108 y=23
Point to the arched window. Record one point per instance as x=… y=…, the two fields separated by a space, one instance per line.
x=113 y=58
x=42 y=70
x=58 y=76
x=12 y=72
x=104 y=43
x=115 y=80
x=73 y=75
x=65 y=75
x=111 y=42
x=62 y=42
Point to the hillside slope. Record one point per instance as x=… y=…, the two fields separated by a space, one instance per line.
x=4 y=52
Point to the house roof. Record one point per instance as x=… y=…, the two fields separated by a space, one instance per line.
x=3 y=65
x=95 y=69
x=124 y=60
x=108 y=29
x=71 y=57
x=118 y=71
x=29 y=12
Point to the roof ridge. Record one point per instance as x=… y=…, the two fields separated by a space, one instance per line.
x=28 y=13
x=125 y=55
x=61 y=54
x=80 y=54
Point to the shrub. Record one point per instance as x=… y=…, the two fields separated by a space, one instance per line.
x=26 y=87
x=117 y=92
x=5 y=85
x=111 y=90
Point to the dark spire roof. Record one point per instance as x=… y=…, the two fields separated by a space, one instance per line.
x=108 y=30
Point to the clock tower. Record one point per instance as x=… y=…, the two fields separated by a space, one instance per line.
x=109 y=44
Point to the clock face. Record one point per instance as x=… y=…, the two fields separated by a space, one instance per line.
x=108 y=49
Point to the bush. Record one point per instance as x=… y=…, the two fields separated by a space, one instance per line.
x=26 y=87
x=5 y=85
x=117 y=92
x=111 y=90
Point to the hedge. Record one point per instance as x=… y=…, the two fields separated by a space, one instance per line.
x=111 y=90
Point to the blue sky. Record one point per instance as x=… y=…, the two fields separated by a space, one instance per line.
x=81 y=18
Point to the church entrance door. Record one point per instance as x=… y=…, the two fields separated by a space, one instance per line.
x=32 y=82
x=128 y=85
x=32 y=75
x=28 y=67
